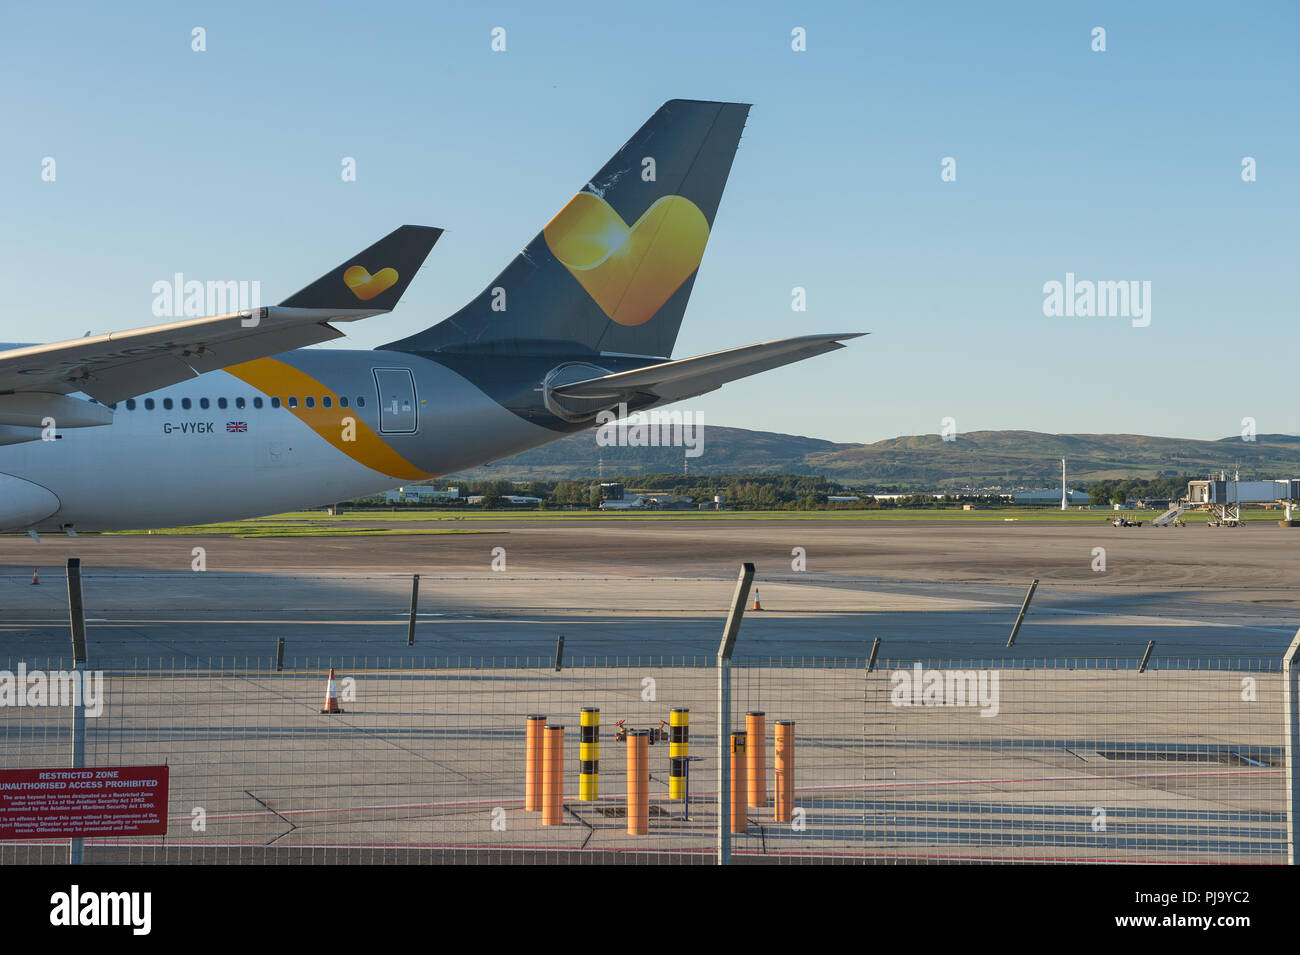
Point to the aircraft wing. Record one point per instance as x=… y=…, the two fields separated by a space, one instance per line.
x=123 y=364
x=687 y=377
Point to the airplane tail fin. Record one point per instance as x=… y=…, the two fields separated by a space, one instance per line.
x=613 y=270
x=372 y=280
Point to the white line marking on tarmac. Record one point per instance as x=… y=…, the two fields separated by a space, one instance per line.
x=1163 y=621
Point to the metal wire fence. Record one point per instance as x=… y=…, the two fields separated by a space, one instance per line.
x=903 y=761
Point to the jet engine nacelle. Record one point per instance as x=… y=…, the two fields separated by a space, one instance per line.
x=23 y=503
x=29 y=409
x=573 y=409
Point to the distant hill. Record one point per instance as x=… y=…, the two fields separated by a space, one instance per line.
x=987 y=458
x=725 y=451
x=980 y=458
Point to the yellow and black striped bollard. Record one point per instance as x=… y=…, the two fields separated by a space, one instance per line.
x=679 y=747
x=589 y=754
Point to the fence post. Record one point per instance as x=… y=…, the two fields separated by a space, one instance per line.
x=728 y=644
x=1290 y=699
x=415 y=603
x=875 y=652
x=1020 y=618
x=77 y=619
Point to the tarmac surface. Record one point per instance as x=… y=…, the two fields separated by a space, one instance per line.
x=621 y=588
x=1083 y=758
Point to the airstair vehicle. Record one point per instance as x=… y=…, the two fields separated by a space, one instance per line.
x=1171 y=518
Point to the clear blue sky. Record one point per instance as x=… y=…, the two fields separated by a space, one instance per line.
x=1117 y=165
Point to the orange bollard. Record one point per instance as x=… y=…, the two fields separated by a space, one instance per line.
x=533 y=765
x=739 y=811
x=757 y=604
x=36 y=577
x=638 y=782
x=756 y=757
x=553 y=776
x=784 y=770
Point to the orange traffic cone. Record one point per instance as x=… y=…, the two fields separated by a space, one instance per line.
x=36 y=578
x=331 y=696
x=757 y=605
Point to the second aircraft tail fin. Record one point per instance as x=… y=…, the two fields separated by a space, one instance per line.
x=374 y=279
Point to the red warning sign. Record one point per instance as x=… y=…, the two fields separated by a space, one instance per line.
x=83 y=803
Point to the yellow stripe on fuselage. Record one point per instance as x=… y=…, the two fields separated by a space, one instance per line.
x=275 y=378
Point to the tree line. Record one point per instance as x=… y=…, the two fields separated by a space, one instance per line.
x=1123 y=490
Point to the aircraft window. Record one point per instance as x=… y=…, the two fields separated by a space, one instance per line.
x=327 y=402
x=257 y=402
x=275 y=402
x=204 y=403
x=221 y=402
x=293 y=401
x=310 y=402
x=130 y=404
x=148 y=404
x=167 y=404
x=239 y=403
x=343 y=401
x=186 y=403
x=361 y=402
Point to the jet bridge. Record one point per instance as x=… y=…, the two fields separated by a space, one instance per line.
x=1223 y=498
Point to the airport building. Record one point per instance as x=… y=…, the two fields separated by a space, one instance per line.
x=645 y=500
x=420 y=494
x=505 y=499
x=1050 y=495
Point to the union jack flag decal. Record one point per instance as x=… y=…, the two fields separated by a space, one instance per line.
x=236 y=426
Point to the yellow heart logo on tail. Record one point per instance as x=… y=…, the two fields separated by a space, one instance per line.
x=366 y=286
x=629 y=272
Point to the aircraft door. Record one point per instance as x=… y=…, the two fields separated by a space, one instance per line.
x=396 y=392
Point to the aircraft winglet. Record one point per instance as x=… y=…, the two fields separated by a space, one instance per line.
x=374 y=279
